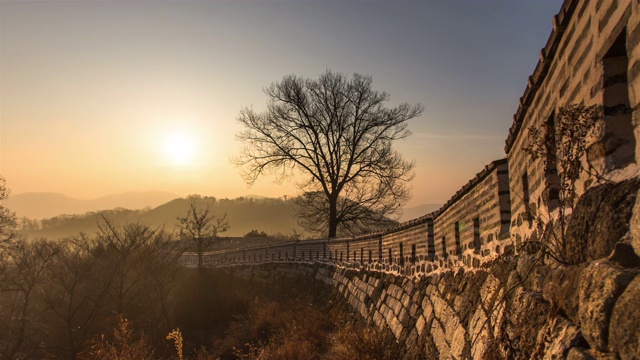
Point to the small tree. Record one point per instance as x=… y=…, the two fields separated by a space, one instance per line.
x=567 y=146
x=333 y=135
x=201 y=226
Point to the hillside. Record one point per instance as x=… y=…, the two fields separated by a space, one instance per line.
x=41 y=205
x=243 y=214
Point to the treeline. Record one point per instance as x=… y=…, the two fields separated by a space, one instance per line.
x=122 y=294
x=57 y=297
x=270 y=215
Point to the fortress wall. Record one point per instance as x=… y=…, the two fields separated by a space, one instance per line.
x=310 y=250
x=581 y=62
x=367 y=249
x=408 y=245
x=499 y=313
x=633 y=75
x=412 y=247
x=338 y=249
x=475 y=217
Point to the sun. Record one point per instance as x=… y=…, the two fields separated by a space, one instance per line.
x=179 y=149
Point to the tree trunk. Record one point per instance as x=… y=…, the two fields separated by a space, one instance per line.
x=333 y=216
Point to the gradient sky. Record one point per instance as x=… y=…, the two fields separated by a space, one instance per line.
x=92 y=92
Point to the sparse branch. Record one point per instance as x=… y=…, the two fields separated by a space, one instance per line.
x=565 y=146
x=200 y=226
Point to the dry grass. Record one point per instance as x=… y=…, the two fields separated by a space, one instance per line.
x=123 y=345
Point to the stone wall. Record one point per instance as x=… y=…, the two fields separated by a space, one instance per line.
x=476 y=217
x=591 y=57
x=478 y=213
x=517 y=309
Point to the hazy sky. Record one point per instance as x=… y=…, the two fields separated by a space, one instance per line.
x=105 y=97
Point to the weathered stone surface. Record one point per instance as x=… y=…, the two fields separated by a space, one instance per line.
x=405 y=299
x=600 y=220
x=458 y=342
x=579 y=354
x=624 y=254
x=413 y=309
x=562 y=288
x=624 y=327
x=396 y=327
x=478 y=332
x=420 y=324
x=601 y=284
x=403 y=317
x=489 y=289
x=635 y=227
x=427 y=310
x=557 y=338
x=492 y=312
x=440 y=340
x=526 y=314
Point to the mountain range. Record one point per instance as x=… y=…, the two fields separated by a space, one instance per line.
x=40 y=205
x=60 y=216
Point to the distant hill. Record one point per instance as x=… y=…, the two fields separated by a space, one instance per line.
x=61 y=216
x=418 y=211
x=243 y=214
x=40 y=205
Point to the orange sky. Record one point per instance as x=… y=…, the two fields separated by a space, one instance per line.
x=93 y=95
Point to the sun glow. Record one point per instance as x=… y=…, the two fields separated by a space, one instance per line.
x=180 y=149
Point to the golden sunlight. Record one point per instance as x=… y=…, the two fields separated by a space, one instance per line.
x=179 y=149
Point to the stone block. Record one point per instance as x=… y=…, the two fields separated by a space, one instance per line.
x=413 y=309
x=458 y=342
x=383 y=310
x=405 y=300
x=478 y=330
x=362 y=296
x=378 y=319
x=601 y=218
x=403 y=317
x=428 y=313
x=635 y=227
x=440 y=340
x=420 y=324
x=601 y=284
x=408 y=286
x=395 y=305
x=557 y=338
x=362 y=308
x=396 y=327
x=579 y=354
x=624 y=327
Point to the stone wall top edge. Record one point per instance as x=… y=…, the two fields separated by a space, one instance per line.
x=540 y=72
x=486 y=171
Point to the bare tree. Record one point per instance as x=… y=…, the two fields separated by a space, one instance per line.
x=75 y=294
x=334 y=136
x=201 y=226
x=135 y=253
x=23 y=267
x=7 y=217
